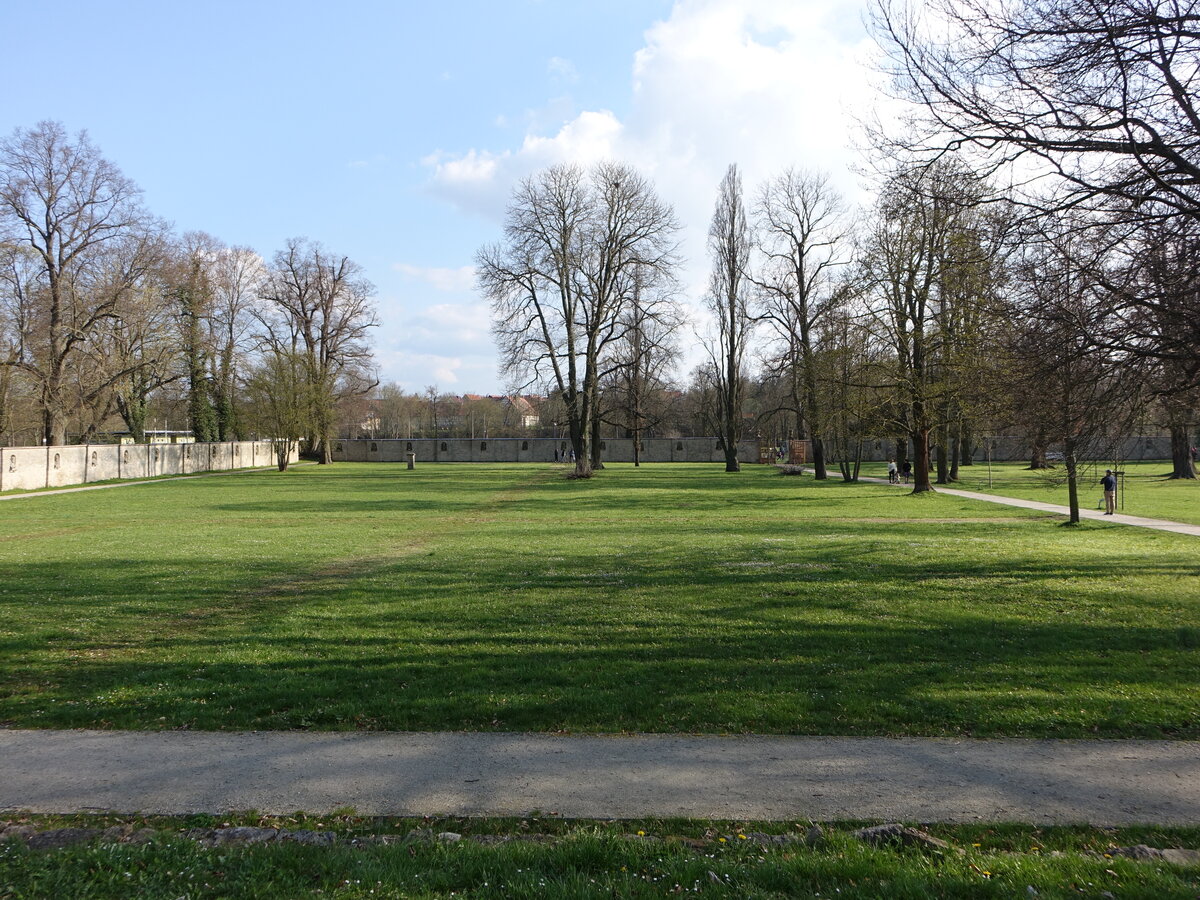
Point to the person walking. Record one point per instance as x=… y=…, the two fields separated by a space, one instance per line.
x=893 y=477
x=1109 y=483
x=906 y=470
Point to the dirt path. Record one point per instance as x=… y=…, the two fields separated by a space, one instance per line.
x=598 y=776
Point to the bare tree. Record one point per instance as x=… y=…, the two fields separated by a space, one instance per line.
x=64 y=202
x=317 y=304
x=1153 y=315
x=854 y=401
x=640 y=360
x=801 y=230
x=192 y=290
x=929 y=262
x=1070 y=390
x=1101 y=95
x=277 y=388
x=140 y=341
x=902 y=255
x=575 y=244
x=236 y=276
x=729 y=299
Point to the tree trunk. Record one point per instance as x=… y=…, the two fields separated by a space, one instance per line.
x=818 y=448
x=966 y=449
x=943 y=462
x=1182 y=465
x=1037 y=455
x=597 y=462
x=731 y=458
x=955 y=453
x=54 y=426
x=581 y=447
x=1072 y=483
x=920 y=439
x=282 y=452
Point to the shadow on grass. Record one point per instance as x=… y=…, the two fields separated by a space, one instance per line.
x=659 y=600
x=586 y=642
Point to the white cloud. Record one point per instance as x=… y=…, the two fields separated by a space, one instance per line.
x=414 y=371
x=457 y=280
x=461 y=323
x=563 y=69
x=763 y=83
x=448 y=344
x=482 y=180
x=367 y=163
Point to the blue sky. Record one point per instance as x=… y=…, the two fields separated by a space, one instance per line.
x=394 y=132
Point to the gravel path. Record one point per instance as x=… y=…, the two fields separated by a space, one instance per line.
x=1116 y=519
x=599 y=776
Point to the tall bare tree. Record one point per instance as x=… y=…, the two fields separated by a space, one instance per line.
x=801 y=233
x=640 y=360
x=318 y=305
x=729 y=300
x=277 y=388
x=140 y=341
x=64 y=202
x=927 y=261
x=575 y=244
x=1077 y=394
x=902 y=256
x=236 y=276
x=192 y=290
x=854 y=401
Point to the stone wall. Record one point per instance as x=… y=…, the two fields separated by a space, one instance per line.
x=1015 y=449
x=534 y=450
x=661 y=450
x=31 y=468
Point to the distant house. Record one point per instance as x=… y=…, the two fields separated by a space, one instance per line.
x=525 y=411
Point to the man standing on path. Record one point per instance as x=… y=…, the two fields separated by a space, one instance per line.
x=1109 y=481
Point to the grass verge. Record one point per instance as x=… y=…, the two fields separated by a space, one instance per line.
x=541 y=857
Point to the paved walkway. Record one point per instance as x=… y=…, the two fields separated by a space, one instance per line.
x=603 y=776
x=1117 y=519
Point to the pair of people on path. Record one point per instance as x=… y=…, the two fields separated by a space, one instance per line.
x=895 y=474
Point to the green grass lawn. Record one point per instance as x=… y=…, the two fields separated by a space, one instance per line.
x=596 y=859
x=667 y=598
x=1146 y=489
